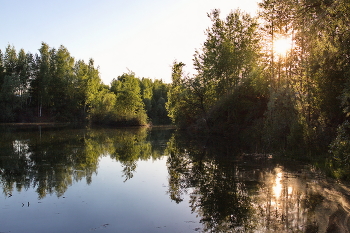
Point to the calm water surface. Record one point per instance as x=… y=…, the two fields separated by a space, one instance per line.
x=142 y=180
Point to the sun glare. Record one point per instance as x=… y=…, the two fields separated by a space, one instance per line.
x=282 y=45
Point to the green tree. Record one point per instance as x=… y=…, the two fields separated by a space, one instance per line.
x=2 y=68
x=80 y=88
x=10 y=60
x=176 y=95
x=103 y=110
x=41 y=81
x=24 y=69
x=147 y=94
x=229 y=52
x=129 y=104
x=94 y=84
x=61 y=88
x=87 y=84
x=316 y=68
x=228 y=58
x=9 y=100
x=154 y=95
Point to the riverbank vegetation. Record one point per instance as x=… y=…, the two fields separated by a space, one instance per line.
x=280 y=80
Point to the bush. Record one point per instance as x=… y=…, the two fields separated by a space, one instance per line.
x=340 y=147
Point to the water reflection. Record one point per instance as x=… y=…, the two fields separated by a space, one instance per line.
x=228 y=190
x=50 y=161
x=217 y=196
x=235 y=192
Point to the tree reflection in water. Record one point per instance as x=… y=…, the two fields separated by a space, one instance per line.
x=216 y=194
x=228 y=190
x=50 y=161
x=235 y=192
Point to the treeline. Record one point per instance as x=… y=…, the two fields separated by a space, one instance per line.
x=244 y=88
x=52 y=86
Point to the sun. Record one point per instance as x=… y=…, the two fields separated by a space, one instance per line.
x=282 y=45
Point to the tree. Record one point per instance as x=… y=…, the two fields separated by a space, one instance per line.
x=61 y=88
x=154 y=96
x=177 y=96
x=8 y=101
x=94 y=83
x=10 y=60
x=228 y=58
x=103 y=110
x=41 y=82
x=2 y=68
x=229 y=52
x=24 y=70
x=129 y=104
x=146 y=85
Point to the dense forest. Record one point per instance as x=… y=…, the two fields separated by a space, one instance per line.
x=244 y=87
x=247 y=88
x=52 y=86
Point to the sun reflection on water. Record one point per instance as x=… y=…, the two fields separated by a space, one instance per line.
x=277 y=188
x=280 y=202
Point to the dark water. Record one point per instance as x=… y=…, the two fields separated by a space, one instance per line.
x=142 y=180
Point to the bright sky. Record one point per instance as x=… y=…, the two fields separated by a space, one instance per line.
x=120 y=35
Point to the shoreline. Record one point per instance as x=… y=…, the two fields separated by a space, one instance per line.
x=62 y=124
x=35 y=124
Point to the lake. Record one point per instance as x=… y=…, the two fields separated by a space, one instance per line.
x=156 y=180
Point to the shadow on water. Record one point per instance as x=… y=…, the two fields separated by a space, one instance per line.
x=229 y=190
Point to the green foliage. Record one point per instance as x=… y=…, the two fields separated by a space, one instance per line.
x=129 y=105
x=154 y=96
x=9 y=101
x=279 y=118
x=241 y=113
x=42 y=80
x=179 y=101
x=15 y=76
x=147 y=94
x=227 y=60
x=340 y=147
x=229 y=52
x=103 y=107
x=2 y=68
x=242 y=85
x=52 y=86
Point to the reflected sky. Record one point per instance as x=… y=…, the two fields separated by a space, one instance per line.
x=144 y=180
x=108 y=203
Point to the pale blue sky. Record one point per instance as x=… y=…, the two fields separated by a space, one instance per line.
x=142 y=36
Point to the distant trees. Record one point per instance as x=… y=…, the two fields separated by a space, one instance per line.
x=155 y=96
x=129 y=104
x=15 y=75
x=52 y=86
